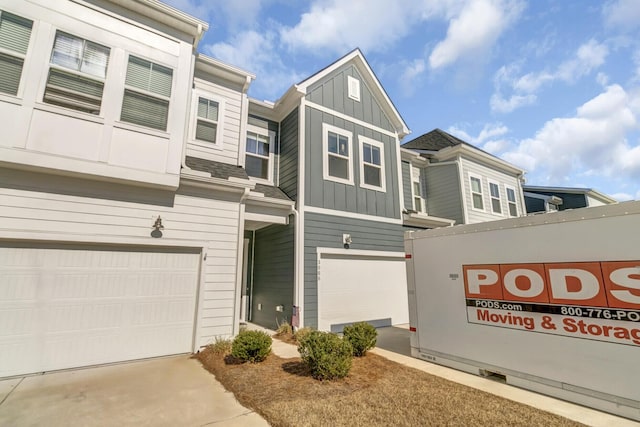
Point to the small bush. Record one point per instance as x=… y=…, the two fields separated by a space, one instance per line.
x=327 y=355
x=284 y=328
x=221 y=346
x=301 y=333
x=362 y=337
x=251 y=346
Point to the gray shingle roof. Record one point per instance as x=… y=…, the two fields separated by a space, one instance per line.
x=435 y=140
x=226 y=171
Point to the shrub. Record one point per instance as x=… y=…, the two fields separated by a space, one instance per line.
x=301 y=333
x=284 y=328
x=251 y=346
x=327 y=355
x=221 y=346
x=362 y=337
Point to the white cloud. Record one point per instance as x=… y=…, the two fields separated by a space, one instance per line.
x=411 y=72
x=523 y=88
x=256 y=53
x=622 y=197
x=488 y=139
x=236 y=13
x=593 y=142
x=474 y=30
x=622 y=14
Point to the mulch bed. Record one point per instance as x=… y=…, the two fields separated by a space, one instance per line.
x=377 y=392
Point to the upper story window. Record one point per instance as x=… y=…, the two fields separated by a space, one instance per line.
x=207 y=123
x=147 y=93
x=416 y=188
x=77 y=73
x=259 y=153
x=354 y=88
x=15 y=33
x=337 y=157
x=511 y=201
x=371 y=164
x=476 y=192
x=496 y=203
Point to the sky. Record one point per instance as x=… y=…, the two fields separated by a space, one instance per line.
x=552 y=87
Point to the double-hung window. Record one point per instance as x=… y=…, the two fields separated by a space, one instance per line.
x=511 y=201
x=476 y=192
x=15 y=33
x=416 y=190
x=259 y=153
x=147 y=94
x=494 y=193
x=371 y=164
x=337 y=162
x=208 y=121
x=77 y=73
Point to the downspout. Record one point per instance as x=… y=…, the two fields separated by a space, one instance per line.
x=296 y=264
x=239 y=257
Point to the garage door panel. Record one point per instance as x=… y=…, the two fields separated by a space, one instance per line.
x=361 y=288
x=69 y=307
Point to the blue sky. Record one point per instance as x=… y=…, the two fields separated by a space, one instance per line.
x=550 y=86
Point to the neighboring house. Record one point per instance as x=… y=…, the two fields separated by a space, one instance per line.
x=123 y=198
x=551 y=199
x=445 y=177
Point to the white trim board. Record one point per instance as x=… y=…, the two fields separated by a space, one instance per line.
x=353 y=215
x=349 y=118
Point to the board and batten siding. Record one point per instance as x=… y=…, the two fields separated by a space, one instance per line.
x=273 y=272
x=488 y=174
x=326 y=231
x=407 y=185
x=102 y=213
x=332 y=92
x=288 y=159
x=229 y=118
x=345 y=197
x=443 y=191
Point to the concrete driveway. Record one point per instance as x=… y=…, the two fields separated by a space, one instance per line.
x=171 y=391
x=395 y=339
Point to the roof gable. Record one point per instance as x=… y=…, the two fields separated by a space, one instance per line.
x=435 y=140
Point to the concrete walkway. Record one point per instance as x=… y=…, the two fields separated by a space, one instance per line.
x=171 y=391
x=393 y=343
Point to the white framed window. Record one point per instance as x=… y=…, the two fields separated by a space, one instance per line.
x=147 y=93
x=494 y=195
x=337 y=156
x=259 y=153
x=77 y=73
x=372 y=174
x=416 y=190
x=208 y=113
x=354 y=88
x=477 y=201
x=15 y=33
x=511 y=201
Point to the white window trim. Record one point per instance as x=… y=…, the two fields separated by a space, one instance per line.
x=24 y=57
x=491 y=198
x=415 y=179
x=219 y=144
x=484 y=203
x=383 y=185
x=515 y=202
x=326 y=128
x=353 y=82
x=272 y=138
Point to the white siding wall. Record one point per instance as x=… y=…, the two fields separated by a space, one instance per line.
x=470 y=167
x=229 y=119
x=190 y=221
x=594 y=202
x=99 y=145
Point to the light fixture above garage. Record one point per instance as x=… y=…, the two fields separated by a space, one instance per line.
x=157 y=228
x=346 y=240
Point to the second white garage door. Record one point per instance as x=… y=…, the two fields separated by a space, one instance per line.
x=64 y=307
x=354 y=288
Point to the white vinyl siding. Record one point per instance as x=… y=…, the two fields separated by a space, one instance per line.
x=372 y=166
x=147 y=93
x=15 y=33
x=337 y=154
x=511 y=201
x=494 y=195
x=477 y=199
x=76 y=74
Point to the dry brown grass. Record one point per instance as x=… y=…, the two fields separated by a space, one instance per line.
x=377 y=392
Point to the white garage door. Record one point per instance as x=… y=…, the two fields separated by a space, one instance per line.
x=354 y=288
x=64 y=307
